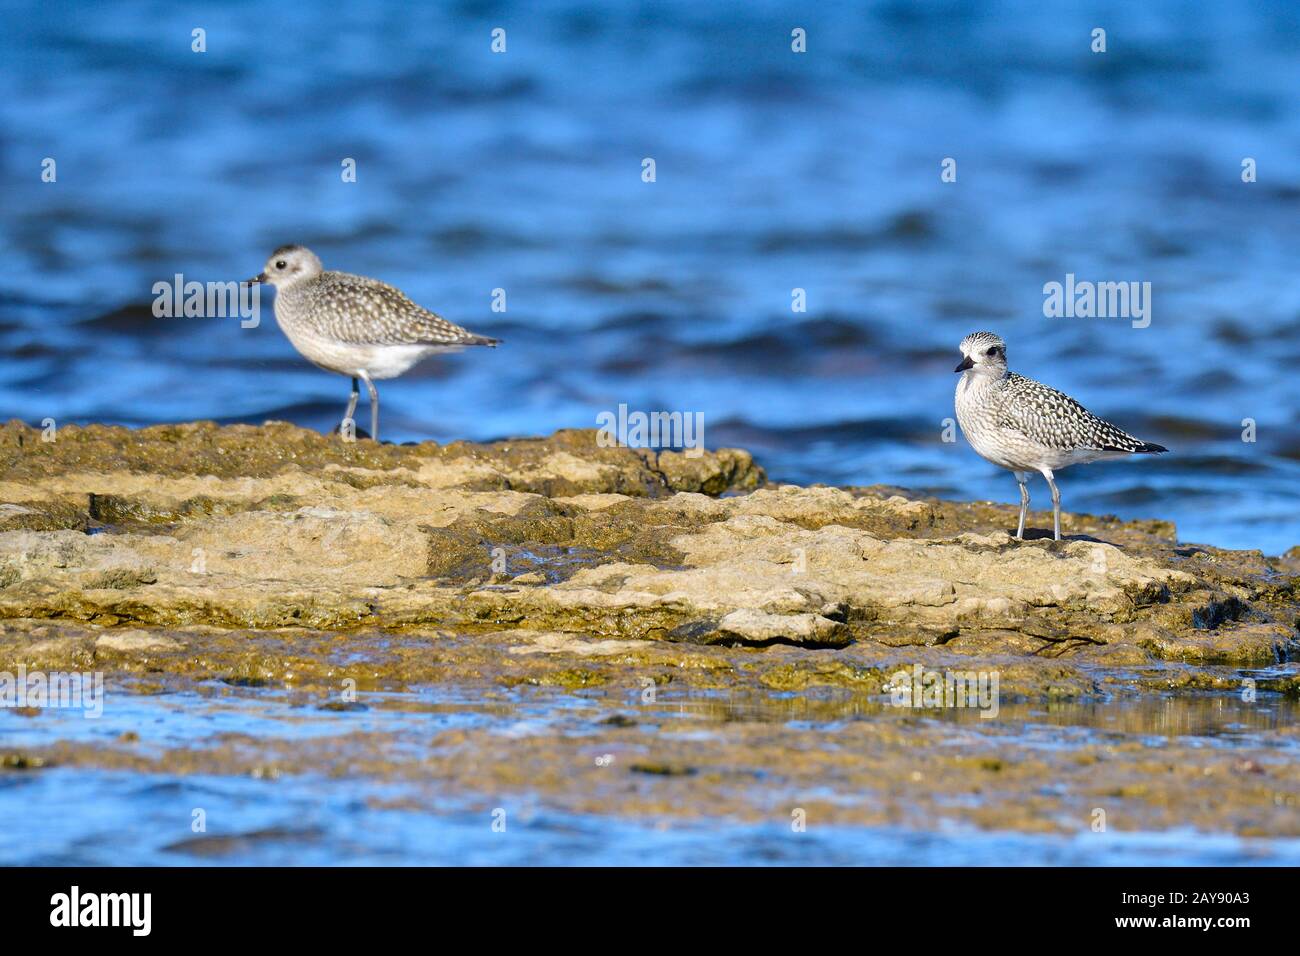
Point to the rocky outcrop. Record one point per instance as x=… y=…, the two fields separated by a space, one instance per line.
x=246 y=527
x=274 y=557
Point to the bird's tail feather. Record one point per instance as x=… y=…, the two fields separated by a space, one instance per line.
x=463 y=342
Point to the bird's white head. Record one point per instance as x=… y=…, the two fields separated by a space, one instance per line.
x=983 y=353
x=288 y=266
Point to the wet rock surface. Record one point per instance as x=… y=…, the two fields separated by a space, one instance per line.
x=708 y=645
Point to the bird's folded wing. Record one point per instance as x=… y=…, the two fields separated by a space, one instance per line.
x=1055 y=420
x=363 y=311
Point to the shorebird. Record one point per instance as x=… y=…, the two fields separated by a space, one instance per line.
x=1025 y=426
x=354 y=325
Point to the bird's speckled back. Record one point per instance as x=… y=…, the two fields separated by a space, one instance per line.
x=358 y=310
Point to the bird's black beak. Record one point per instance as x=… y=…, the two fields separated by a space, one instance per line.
x=966 y=363
x=260 y=277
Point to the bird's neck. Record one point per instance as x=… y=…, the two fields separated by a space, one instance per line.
x=973 y=381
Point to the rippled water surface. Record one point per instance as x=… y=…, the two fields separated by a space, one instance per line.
x=321 y=823
x=87 y=816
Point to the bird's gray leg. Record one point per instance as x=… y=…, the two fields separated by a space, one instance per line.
x=1022 y=478
x=374 y=405
x=352 y=407
x=1056 y=503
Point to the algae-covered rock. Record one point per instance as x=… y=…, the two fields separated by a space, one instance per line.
x=277 y=526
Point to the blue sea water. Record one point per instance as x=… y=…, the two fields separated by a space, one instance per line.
x=819 y=171
x=118 y=819
x=84 y=816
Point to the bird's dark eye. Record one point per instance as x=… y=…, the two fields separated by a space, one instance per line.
x=280 y=264
x=992 y=351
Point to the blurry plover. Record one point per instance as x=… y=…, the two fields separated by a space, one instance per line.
x=1025 y=426
x=353 y=325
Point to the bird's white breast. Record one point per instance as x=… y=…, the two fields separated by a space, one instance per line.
x=977 y=404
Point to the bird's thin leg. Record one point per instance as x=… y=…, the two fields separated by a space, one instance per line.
x=374 y=405
x=352 y=409
x=1021 y=479
x=1056 y=503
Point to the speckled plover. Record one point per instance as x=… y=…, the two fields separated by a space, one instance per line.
x=353 y=325
x=1025 y=426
